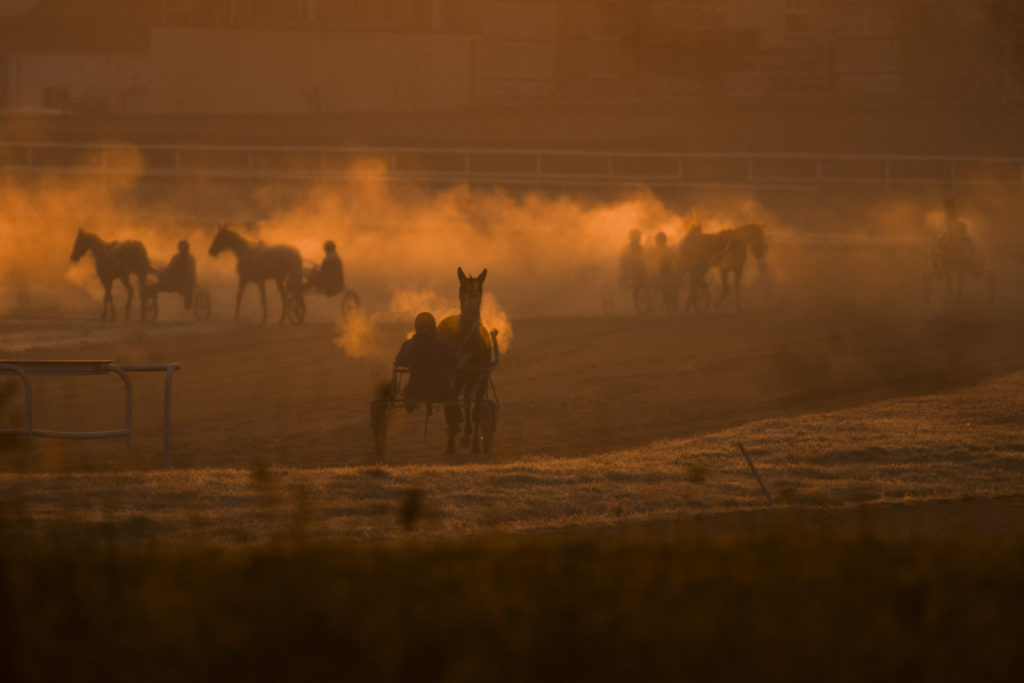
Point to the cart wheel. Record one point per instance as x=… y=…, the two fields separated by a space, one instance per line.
x=379 y=419
x=349 y=304
x=201 y=305
x=487 y=418
x=149 y=306
x=296 y=310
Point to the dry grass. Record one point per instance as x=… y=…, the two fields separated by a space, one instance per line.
x=959 y=445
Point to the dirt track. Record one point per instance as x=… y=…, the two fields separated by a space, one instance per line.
x=280 y=395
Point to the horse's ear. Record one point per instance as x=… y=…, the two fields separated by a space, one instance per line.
x=481 y=276
x=462 y=276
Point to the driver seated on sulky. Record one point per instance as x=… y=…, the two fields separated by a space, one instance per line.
x=329 y=278
x=431 y=362
x=180 y=274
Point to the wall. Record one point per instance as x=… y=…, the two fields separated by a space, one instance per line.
x=216 y=71
x=78 y=83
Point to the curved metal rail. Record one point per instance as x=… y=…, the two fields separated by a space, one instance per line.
x=26 y=369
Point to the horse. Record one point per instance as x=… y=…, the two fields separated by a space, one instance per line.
x=474 y=348
x=954 y=255
x=260 y=262
x=114 y=261
x=726 y=251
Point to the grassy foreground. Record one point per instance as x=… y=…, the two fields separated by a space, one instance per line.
x=790 y=603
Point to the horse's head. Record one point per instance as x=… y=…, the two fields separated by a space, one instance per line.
x=221 y=241
x=471 y=293
x=83 y=243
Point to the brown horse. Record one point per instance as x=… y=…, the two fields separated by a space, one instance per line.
x=114 y=261
x=261 y=262
x=475 y=350
x=726 y=251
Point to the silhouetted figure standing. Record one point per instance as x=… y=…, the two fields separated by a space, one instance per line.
x=431 y=362
x=694 y=261
x=955 y=253
x=665 y=270
x=633 y=271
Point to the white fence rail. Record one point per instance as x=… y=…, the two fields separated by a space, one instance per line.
x=508 y=166
x=26 y=369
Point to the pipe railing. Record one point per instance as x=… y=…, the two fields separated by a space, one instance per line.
x=513 y=166
x=26 y=369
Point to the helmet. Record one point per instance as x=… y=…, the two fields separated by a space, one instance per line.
x=329 y=246
x=183 y=246
x=634 y=235
x=425 y=323
x=660 y=239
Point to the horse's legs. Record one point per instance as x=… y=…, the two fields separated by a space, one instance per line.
x=238 y=297
x=725 y=286
x=284 y=301
x=142 y=288
x=478 y=398
x=108 y=302
x=263 y=298
x=127 y=280
x=467 y=407
x=451 y=419
x=738 y=275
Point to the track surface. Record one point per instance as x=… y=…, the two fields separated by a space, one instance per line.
x=288 y=396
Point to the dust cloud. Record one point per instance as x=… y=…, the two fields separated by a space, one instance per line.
x=546 y=255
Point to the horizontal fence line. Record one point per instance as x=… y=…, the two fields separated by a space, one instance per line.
x=501 y=166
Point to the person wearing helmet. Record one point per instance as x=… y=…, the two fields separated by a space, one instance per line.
x=180 y=274
x=431 y=362
x=329 y=278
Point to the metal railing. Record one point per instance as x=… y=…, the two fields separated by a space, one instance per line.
x=541 y=167
x=26 y=369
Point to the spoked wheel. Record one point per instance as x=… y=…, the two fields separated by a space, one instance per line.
x=380 y=416
x=201 y=305
x=296 y=310
x=487 y=419
x=349 y=304
x=149 y=306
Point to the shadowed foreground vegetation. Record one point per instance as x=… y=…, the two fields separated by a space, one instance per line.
x=678 y=603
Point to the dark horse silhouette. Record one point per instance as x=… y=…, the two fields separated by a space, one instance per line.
x=474 y=348
x=114 y=261
x=260 y=262
x=725 y=250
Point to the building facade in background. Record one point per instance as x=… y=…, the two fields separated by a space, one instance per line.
x=331 y=56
